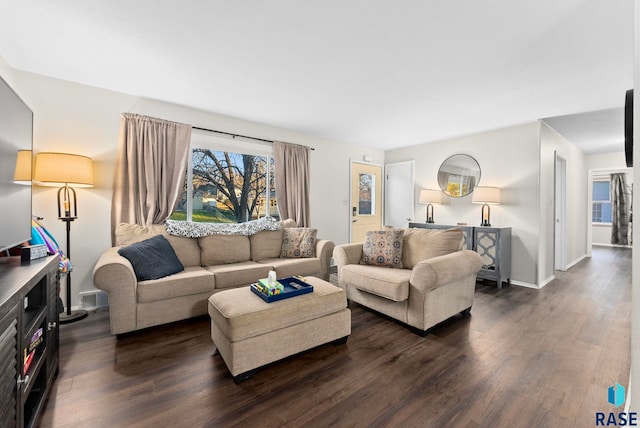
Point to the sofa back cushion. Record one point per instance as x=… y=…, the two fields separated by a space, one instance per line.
x=224 y=249
x=186 y=249
x=266 y=244
x=423 y=244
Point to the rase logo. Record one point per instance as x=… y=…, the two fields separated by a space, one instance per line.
x=616 y=396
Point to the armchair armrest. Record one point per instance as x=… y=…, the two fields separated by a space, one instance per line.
x=435 y=272
x=324 y=250
x=114 y=274
x=347 y=254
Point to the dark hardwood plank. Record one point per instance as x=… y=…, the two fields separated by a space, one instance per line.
x=525 y=357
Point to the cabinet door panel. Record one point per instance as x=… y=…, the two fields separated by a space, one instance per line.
x=9 y=368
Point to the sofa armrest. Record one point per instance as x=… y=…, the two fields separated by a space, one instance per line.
x=324 y=250
x=114 y=274
x=438 y=271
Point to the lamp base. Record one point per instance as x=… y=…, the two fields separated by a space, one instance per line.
x=74 y=316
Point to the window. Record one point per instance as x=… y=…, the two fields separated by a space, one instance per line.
x=227 y=182
x=366 y=194
x=601 y=202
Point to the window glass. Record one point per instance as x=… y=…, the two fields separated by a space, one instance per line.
x=366 y=194
x=224 y=186
x=601 y=209
x=601 y=191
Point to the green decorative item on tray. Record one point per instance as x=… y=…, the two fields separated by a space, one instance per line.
x=292 y=286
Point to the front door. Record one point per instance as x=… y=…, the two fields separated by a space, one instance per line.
x=366 y=199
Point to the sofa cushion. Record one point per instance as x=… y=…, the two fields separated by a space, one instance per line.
x=298 y=242
x=152 y=258
x=424 y=244
x=193 y=280
x=224 y=249
x=383 y=248
x=390 y=283
x=236 y=274
x=240 y=314
x=186 y=249
x=266 y=244
x=292 y=267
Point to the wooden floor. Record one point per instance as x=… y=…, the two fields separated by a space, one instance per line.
x=525 y=358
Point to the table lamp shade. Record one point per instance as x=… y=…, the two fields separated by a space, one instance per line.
x=430 y=196
x=59 y=169
x=24 y=161
x=486 y=195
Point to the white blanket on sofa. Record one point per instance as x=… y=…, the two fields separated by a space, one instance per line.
x=189 y=229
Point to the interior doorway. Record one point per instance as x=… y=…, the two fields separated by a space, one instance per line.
x=366 y=199
x=399 y=194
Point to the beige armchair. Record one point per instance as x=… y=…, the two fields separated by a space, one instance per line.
x=438 y=280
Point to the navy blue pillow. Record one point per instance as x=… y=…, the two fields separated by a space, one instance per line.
x=152 y=258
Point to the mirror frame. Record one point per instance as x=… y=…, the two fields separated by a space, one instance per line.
x=465 y=171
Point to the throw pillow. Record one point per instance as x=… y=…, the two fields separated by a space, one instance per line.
x=298 y=242
x=383 y=248
x=152 y=258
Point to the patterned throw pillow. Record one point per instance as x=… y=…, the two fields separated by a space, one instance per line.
x=383 y=248
x=299 y=242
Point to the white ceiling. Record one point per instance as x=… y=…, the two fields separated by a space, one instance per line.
x=380 y=73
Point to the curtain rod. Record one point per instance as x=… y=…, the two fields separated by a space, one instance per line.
x=236 y=135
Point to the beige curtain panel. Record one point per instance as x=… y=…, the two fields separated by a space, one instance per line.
x=292 y=182
x=151 y=160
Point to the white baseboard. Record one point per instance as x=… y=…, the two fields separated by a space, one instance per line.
x=611 y=245
x=524 y=284
x=575 y=262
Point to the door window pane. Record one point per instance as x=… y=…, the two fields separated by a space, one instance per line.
x=366 y=194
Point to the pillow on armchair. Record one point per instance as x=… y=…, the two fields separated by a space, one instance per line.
x=152 y=258
x=383 y=248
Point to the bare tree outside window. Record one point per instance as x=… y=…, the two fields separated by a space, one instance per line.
x=229 y=187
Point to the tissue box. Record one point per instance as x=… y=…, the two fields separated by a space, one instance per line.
x=272 y=289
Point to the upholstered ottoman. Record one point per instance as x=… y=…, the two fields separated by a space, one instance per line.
x=249 y=333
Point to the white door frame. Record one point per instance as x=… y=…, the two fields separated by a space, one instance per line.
x=560 y=213
x=593 y=173
x=351 y=162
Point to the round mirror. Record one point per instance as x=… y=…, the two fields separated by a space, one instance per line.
x=458 y=175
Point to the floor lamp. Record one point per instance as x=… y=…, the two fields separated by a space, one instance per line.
x=67 y=171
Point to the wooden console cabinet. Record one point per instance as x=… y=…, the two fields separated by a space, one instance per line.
x=492 y=243
x=29 y=337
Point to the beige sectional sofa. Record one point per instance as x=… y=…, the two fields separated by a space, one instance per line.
x=434 y=281
x=211 y=263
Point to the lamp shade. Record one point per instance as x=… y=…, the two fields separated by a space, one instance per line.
x=486 y=195
x=58 y=169
x=24 y=161
x=430 y=196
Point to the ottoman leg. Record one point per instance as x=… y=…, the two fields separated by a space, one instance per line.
x=340 y=341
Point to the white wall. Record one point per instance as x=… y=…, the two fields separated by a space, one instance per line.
x=634 y=379
x=6 y=72
x=551 y=143
x=508 y=159
x=75 y=118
